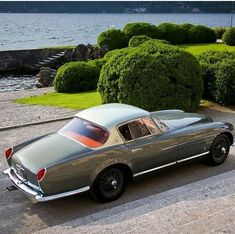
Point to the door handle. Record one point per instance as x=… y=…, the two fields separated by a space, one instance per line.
x=136 y=150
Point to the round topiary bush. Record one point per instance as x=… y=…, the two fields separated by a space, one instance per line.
x=98 y=63
x=152 y=81
x=186 y=28
x=229 y=37
x=76 y=77
x=141 y=28
x=209 y=61
x=219 y=31
x=214 y=56
x=225 y=82
x=113 y=38
x=172 y=33
x=138 y=40
x=201 y=34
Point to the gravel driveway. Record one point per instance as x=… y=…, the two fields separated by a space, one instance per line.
x=17 y=114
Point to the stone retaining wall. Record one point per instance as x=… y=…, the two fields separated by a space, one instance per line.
x=24 y=59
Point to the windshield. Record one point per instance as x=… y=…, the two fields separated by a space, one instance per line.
x=85 y=132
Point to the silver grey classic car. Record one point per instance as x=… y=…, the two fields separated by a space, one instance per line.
x=102 y=147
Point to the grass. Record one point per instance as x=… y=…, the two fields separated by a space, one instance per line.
x=69 y=47
x=73 y=101
x=197 y=49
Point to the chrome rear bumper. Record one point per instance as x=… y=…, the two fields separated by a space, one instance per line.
x=37 y=195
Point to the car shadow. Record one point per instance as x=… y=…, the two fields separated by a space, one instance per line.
x=66 y=209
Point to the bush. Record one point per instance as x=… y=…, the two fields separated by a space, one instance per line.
x=113 y=38
x=219 y=31
x=201 y=34
x=208 y=76
x=214 y=56
x=186 y=27
x=152 y=81
x=210 y=61
x=76 y=77
x=98 y=63
x=229 y=37
x=138 y=40
x=172 y=33
x=141 y=28
x=225 y=82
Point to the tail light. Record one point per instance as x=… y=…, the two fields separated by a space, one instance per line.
x=8 y=153
x=41 y=174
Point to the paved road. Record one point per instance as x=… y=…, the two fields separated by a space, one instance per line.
x=19 y=215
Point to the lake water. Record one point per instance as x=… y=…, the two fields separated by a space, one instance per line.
x=24 y=31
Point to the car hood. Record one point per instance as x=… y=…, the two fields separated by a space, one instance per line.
x=180 y=119
x=47 y=151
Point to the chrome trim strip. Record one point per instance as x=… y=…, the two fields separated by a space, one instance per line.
x=19 y=184
x=169 y=164
x=173 y=146
x=195 y=156
x=37 y=195
x=153 y=169
x=42 y=198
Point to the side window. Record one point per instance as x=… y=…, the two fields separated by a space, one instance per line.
x=138 y=129
x=125 y=131
x=151 y=125
x=133 y=130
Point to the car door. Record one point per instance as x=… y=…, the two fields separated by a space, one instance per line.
x=196 y=140
x=148 y=145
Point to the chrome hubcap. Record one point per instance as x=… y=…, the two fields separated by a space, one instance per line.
x=223 y=150
x=114 y=184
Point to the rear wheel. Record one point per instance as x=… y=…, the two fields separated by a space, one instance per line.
x=109 y=185
x=219 y=150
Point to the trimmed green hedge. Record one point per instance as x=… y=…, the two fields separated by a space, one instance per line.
x=163 y=79
x=225 y=82
x=186 y=27
x=141 y=28
x=216 y=78
x=229 y=37
x=201 y=34
x=138 y=40
x=113 y=38
x=219 y=31
x=172 y=33
x=76 y=77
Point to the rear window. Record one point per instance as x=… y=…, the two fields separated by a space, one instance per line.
x=85 y=132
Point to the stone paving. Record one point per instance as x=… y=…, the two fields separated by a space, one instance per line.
x=206 y=206
x=17 y=114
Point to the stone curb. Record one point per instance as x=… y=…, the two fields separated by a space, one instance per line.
x=34 y=123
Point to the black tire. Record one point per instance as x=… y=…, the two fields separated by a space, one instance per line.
x=109 y=185
x=219 y=150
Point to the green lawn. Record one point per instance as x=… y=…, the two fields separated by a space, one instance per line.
x=60 y=47
x=74 y=101
x=197 y=49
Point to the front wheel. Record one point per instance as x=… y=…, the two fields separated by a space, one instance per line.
x=219 y=150
x=109 y=185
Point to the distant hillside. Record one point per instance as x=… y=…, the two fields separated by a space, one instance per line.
x=116 y=7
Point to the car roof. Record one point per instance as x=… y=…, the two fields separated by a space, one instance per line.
x=109 y=115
